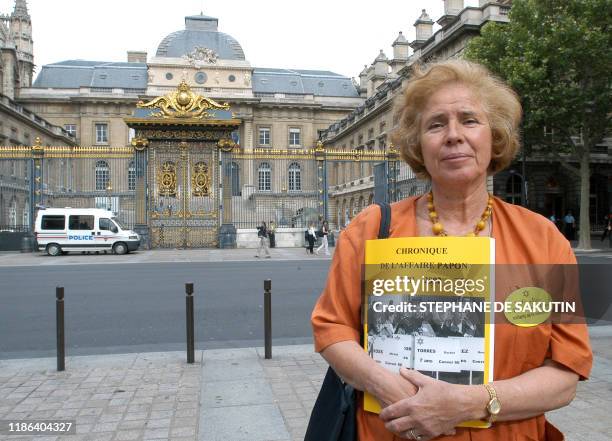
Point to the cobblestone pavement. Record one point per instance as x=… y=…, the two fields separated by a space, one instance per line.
x=227 y=395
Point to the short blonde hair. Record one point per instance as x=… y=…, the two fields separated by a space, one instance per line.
x=500 y=103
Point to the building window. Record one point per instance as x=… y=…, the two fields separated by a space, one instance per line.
x=294 y=137
x=101 y=133
x=200 y=77
x=295 y=177
x=102 y=176
x=264 y=177
x=264 y=136
x=13 y=214
x=132 y=176
x=514 y=189
x=71 y=129
x=26 y=214
x=235 y=179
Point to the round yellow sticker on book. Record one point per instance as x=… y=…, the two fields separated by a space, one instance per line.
x=528 y=306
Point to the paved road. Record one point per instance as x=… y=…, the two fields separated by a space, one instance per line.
x=140 y=307
x=135 y=303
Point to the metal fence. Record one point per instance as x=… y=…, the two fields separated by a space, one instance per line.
x=289 y=187
x=78 y=177
x=269 y=185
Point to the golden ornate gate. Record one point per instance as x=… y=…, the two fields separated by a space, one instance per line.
x=184 y=195
x=178 y=142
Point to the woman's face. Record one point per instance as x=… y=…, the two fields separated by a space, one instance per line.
x=455 y=136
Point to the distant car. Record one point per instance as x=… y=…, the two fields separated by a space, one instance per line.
x=61 y=230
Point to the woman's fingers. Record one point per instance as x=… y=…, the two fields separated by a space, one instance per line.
x=415 y=377
x=400 y=425
x=396 y=410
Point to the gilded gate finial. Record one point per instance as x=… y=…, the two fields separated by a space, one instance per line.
x=182 y=103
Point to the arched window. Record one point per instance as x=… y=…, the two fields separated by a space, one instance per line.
x=13 y=213
x=26 y=214
x=235 y=179
x=102 y=175
x=514 y=189
x=295 y=177
x=132 y=176
x=264 y=177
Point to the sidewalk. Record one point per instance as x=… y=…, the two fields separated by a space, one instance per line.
x=227 y=395
x=15 y=258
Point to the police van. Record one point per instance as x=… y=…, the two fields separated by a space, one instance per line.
x=62 y=230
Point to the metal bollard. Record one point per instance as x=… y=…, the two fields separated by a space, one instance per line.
x=268 y=318
x=190 y=326
x=59 y=325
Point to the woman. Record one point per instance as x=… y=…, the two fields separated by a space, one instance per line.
x=311 y=238
x=262 y=234
x=457 y=125
x=324 y=244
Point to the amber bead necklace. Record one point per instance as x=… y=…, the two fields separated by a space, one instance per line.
x=438 y=228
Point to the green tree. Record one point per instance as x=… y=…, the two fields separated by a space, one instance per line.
x=557 y=55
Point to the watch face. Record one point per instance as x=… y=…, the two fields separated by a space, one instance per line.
x=494 y=406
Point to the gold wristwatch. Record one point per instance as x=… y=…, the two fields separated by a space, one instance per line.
x=494 y=405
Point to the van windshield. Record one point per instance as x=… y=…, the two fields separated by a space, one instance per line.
x=118 y=222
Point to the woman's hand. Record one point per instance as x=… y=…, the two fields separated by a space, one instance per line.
x=433 y=411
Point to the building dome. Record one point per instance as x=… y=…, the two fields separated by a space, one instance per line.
x=200 y=32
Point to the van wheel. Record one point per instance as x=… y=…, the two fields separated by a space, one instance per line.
x=54 y=249
x=120 y=248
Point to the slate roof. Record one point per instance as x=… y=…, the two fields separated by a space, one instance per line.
x=312 y=82
x=181 y=43
x=72 y=74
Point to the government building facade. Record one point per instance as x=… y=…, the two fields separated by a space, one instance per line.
x=535 y=182
x=194 y=146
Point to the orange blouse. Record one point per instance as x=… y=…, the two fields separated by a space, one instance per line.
x=522 y=237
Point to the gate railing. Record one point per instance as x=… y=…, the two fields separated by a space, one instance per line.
x=290 y=187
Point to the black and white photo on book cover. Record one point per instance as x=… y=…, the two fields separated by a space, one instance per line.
x=440 y=336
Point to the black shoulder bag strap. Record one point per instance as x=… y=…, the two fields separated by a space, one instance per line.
x=333 y=416
x=385 y=220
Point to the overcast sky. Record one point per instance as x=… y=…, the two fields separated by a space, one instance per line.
x=336 y=35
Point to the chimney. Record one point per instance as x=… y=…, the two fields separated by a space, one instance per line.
x=452 y=8
x=400 y=47
x=424 y=30
x=400 y=53
x=136 y=57
x=381 y=65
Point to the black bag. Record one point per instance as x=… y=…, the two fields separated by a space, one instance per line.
x=334 y=416
x=320 y=233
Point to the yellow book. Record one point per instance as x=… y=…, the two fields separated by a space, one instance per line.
x=425 y=308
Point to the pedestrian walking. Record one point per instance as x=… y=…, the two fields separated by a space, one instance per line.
x=311 y=237
x=607 y=227
x=323 y=232
x=262 y=234
x=272 y=234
